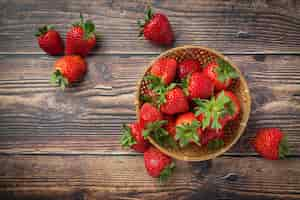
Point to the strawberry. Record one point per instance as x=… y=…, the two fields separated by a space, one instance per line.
x=197 y=85
x=188 y=129
x=149 y=114
x=187 y=67
x=157 y=164
x=171 y=125
x=213 y=138
x=217 y=111
x=156 y=28
x=271 y=143
x=132 y=137
x=165 y=69
x=81 y=38
x=69 y=69
x=50 y=40
x=175 y=102
x=221 y=73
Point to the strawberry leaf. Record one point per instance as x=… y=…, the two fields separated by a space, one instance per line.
x=127 y=140
x=57 y=78
x=166 y=173
x=283 y=148
x=187 y=133
x=185 y=84
x=43 y=30
x=88 y=27
x=225 y=71
x=215 y=144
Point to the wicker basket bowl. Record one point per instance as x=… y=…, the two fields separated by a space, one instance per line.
x=233 y=130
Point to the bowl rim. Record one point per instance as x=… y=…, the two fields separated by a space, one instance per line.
x=243 y=124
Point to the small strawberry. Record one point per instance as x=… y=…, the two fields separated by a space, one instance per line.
x=188 y=129
x=157 y=164
x=188 y=67
x=213 y=138
x=81 y=38
x=197 y=85
x=217 y=111
x=69 y=69
x=271 y=143
x=221 y=73
x=175 y=102
x=132 y=137
x=165 y=69
x=149 y=114
x=50 y=40
x=156 y=28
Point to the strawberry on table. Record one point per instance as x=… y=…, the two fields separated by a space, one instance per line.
x=50 y=40
x=157 y=164
x=68 y=70
x=81 y=38
x=156 y=28
x=271 y=143
x=188 y=66
x=198 y=85
x=188 y=129
x=165 y=69
x=132 y=137
x=221 y=73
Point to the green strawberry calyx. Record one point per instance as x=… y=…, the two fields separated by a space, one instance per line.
x=166 y=172
x=43 y=30
x=215 y=144
x=185 y=84
x=186 y=133
x=126 y=139
x=159 y=88
x=214 y=109
x=159 y=134
x=147 y=18
x=283 y=148
x=88 y=26
x=225 y=71
x=57 y=78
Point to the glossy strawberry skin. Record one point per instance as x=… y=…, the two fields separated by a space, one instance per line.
x=176 y=102
x=211 y=134
x=51 y=43
x=200 y=86
x=158 y=30
x=141 y=144
x=267 y=142
x=187 y=67
x=76 y=44
x=71 y=67
x=149 y=114
x=237 y=107
x=155 y=161
x=187 y=118
x=165 y=68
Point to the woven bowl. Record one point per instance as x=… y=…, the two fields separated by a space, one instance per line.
x=233 y=130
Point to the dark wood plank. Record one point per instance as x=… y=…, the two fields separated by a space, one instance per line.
x=36 y=117
x=229 y=26
x=123 y=177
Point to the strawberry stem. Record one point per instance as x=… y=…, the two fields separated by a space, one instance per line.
x=57 y=78
x=127 y=140
x=166 y=173
x=283 y=148
x=43 y=30
x=187 y=133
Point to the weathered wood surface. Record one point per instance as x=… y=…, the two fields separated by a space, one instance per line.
x=36 y=117
x=271 y=26
x=124 y=177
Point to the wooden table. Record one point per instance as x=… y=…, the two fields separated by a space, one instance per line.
x=65 y=144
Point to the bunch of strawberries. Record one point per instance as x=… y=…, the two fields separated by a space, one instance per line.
x=81 y=39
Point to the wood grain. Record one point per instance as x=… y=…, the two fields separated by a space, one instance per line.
x=230 y=26
x=124 y=177
x=37 y=118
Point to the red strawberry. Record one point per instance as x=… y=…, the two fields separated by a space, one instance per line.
x=213 y=138
x=81 y=38
x=171 y=125
x=175 y=102
x=50 y=40
x=165 y=69
x=156 y=28
x=271 y=143
x=187 y=67
x=188 y=129
x=69 y=69
x=149 y=114
x=221 y=73
x=132 y=137
x=197 y=85
x=217 y=111
x=158 y=164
